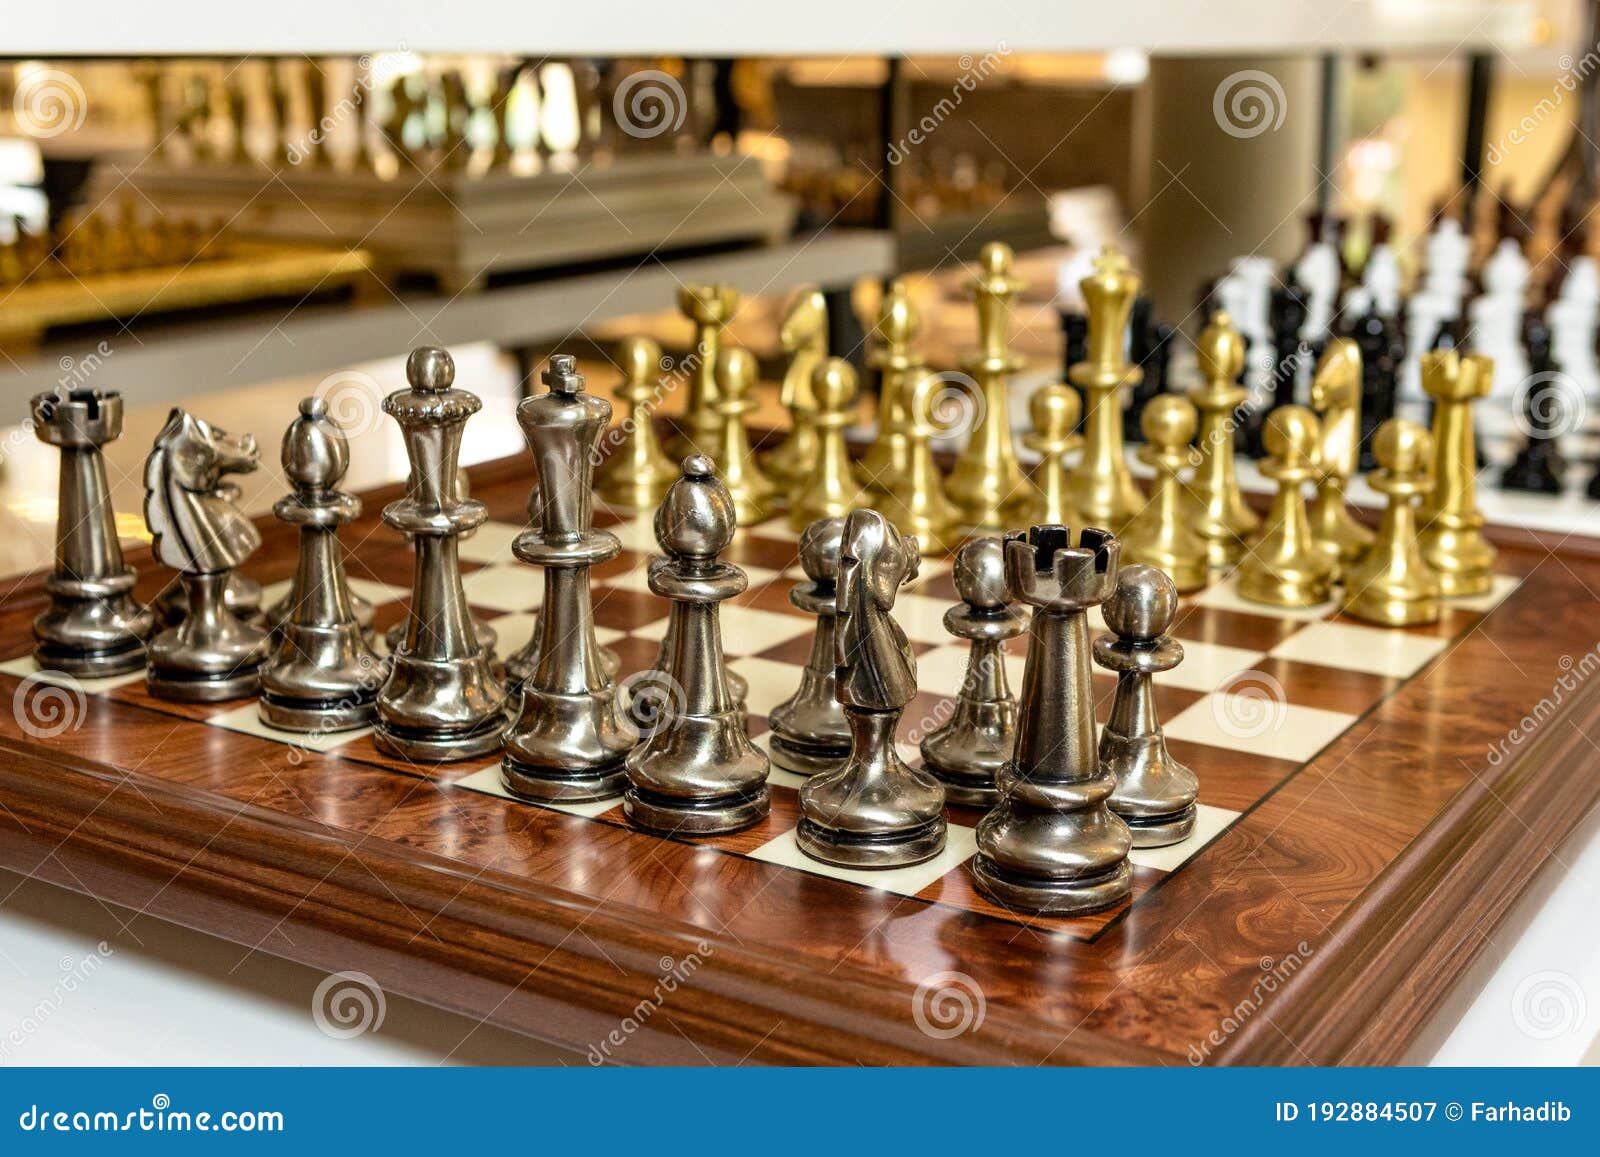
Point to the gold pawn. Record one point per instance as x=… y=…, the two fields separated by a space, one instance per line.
x=1393 y=585
x=1053 y=412
x=831 y=490
x=883 y=467
x=636 y=472
x=803 y=336
x=1224 y=521
x=1161 y=534
x=917 y=505
x=709 y=307
x=1101 y=487
x=1283 y=568
x=753 y=492
x=987 y=484
x=1452 y=525
x=1336 y=397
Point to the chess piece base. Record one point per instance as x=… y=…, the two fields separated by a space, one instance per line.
x=440 y=746
x=857 y=850
x=541 y=786
x=1160 y=831
x=93 y=627
x=700 y=817
x=805 y=759
x=1392 y=611
x=1284 y=588
x=345 y=713
x=182 y=688
x=91 y=664
x=1072 y=897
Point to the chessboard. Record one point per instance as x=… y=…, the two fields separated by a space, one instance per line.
x=1373 y=803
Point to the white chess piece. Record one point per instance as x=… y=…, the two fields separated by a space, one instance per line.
x=1317 y=271
x=1437 y=300
x=1573 y=318
x=1495 y=317
x=1381 y=278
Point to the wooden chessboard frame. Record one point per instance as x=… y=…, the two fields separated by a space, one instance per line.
x=1381 y=865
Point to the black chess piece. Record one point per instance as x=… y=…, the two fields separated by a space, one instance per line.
x=1286 y=315
x=1075 y=336
x=1538 y=466
x=1150 y=349
x=1378 y=339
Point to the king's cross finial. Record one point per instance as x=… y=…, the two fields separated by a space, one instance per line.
x=562 y=376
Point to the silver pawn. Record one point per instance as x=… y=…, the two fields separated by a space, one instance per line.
x=873 y=812
x=93 y=626
x=212 y=654
x=809 y=730
x=1155 y=793
x=696 y=771
x=567 y=743
x=324 y=676
x=441 y=701
x=968 y=751
x=1051 y=844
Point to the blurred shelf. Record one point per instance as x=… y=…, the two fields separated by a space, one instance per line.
x=823 y=27
x=176 y=361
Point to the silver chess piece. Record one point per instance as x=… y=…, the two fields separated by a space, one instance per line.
x=440 y=701
x=568 y=743
x=809 y=730
x=1155 y=794
x=212 y=654
x=323 y=675
x=967 y=752
x=486 y=635
x=241 y=594
x=93 y=626
x=277 y=613
x=874 y=811
x=1051 y=844
x=695 y=771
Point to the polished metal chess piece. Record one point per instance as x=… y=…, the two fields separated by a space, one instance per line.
x=279 y=612
x=1155 y=793
x=803 y=337
x=1162 y=533
x=1336 y=398
x=917 y=505
x=967 y=752
x=754 y=494
x=695 y=771
x=883 y=467
x=987 y=484
x=874 y=811
x=809 y=730
x=212 y=654
x=1053 y=412
x=1102 y=488
x=441 y=701
x=831 y=488
x=567 y=743
x=1392 y=584
x=1222 y=518
x=709 y=307
x=93 y=626
x=1283 y=567
x=1052 y=844
x=636 y=472
x=488 y=638
x=1452 y=525
x=323 y=676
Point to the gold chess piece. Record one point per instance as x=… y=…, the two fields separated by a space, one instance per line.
x=1336 y=397
x=1162 y=533
x=316 y=82
x=987 y=484
x=754 y=494
x=803 y=337
x=636 y=472
x=709 y=307
x=1392 y=584
x=278 y=100
x=1452 y=525
x=1283 y=568
x=831 y=490
x=917 y=505
x=505 y=85
x=1224 y=521
x=1053 y=412
x=1102 y=488
x=884 y=466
